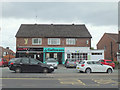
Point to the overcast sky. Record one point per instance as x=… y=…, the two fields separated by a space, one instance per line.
x=98 y=17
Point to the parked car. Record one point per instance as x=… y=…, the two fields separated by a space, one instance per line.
x=53 y=62
x=12 y=60
x=30 y=65
x=107 y=62
x=93 y=66
x=70 y=63
x=3 y=62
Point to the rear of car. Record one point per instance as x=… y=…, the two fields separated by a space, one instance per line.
x=108 y=62
x=52 y=62
x=70 y=63
x=81 y=66
x=3 y=62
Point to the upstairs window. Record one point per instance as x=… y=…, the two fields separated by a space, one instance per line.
x=70 y=41
x=53 y=41
x=37 y=41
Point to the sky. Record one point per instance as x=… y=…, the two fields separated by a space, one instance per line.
x=99 y=17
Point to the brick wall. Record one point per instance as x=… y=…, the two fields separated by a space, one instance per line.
x=106 y=41
x=80 y=42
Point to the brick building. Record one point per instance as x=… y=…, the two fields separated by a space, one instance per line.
x=6 y=53
x=108 y=42
x=60 y=41
x=119 y=46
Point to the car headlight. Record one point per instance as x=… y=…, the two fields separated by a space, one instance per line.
x=51 y=67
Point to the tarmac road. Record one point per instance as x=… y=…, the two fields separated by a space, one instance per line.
x=60 y=78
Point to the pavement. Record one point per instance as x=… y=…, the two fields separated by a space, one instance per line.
x=60 y=78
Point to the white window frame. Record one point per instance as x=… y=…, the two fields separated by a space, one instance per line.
x=39 y=43
x=50 y=42
x=69 y=40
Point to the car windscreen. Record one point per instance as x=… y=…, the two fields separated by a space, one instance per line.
x=109 y=62
x=0 y=59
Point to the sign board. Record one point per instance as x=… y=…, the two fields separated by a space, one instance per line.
x=53 y=50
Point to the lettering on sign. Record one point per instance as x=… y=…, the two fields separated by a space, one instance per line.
x=26 y=41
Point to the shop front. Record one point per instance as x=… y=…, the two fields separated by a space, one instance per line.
x=77 y=53
x=83 y=53
x=57 y=53
x=33 y=52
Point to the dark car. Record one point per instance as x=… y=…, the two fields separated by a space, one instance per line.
x=30 y=65
x=3 y=62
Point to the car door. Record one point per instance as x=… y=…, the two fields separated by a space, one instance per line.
x=35 y=65
x=25 y=64
x=99 y=67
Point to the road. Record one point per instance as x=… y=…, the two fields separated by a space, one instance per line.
x=60 y=78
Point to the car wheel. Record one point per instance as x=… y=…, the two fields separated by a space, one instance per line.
x=45 y=70
x=18 y=70
x=88 y=70
x=109 y=71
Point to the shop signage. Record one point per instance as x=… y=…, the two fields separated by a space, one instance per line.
x=29 y=49
x=53 y=49
x=26 y=41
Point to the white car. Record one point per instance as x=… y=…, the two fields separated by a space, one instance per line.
x=89 y=66
x=53 y=62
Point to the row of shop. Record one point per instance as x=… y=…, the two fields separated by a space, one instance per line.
x=60 y=53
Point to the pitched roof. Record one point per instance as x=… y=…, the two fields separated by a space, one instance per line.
x=119 y=37
x=53 y=30
x=113 y=36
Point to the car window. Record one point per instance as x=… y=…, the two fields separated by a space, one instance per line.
x=101 y=60
x=33 y=61
x=89 y=62
x=25 y=60
x=0 y=59
x=17 y=61
x=109 y=62
x=96 y=62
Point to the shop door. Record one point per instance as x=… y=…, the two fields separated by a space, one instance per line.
x=59 y=57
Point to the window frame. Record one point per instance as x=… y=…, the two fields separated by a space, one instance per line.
x=69 y=40
x=50 y=42
x=38 y=41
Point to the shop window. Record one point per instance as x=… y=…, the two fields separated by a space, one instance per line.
x=79 y=56
x=53 y=41
x=70 y=41
x=37 y=41
x=68 y=55
x=96 y=53
x=55 y=55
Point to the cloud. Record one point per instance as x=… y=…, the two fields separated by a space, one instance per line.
x=89 y=12
x=9 y=30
